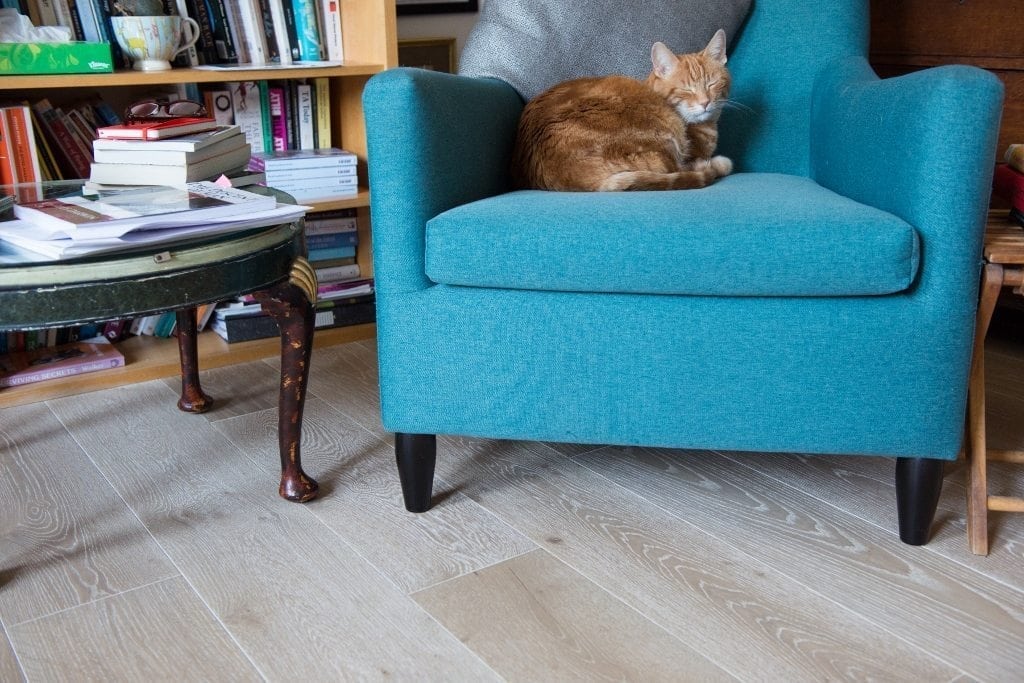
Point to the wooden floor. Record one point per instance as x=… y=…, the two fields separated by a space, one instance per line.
x=142 y=544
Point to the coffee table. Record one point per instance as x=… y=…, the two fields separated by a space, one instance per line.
x=266 y=262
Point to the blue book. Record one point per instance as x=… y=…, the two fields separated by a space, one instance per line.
x=332 y=239
x=331 y=253
x=306 y=29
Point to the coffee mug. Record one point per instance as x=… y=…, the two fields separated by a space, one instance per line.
x=152 y=42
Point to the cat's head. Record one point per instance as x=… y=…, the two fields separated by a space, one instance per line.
x=696 y=84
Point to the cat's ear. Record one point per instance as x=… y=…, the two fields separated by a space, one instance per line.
x=716 y=48
x=663 y=59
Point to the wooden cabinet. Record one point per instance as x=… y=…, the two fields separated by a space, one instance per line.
x=370 y=43
x=907 y=35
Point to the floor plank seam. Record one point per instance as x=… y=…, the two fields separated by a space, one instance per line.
x=177 y=567
x=481 y=568
x=931 y=548
x=14 y=652
x=770 y=566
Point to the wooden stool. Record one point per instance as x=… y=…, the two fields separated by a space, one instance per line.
x=1004 y=267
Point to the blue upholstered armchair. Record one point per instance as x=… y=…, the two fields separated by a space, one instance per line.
x=819 y=300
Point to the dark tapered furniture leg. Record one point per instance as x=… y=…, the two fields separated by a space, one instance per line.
x=192 y=400
x=291 y=305
x=918 y=485
x=416 y=454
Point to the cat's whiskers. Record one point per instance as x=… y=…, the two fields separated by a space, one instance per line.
x=733 y=104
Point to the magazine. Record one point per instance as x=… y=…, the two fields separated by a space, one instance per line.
x=24 y=367
x=112 y=214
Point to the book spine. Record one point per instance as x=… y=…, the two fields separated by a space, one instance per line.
x=298 y=164
x=329 y=240
x=330 y=13
x=47 y=12
x=190 y=57
x=317 y=172
x=327 y=253
x=245 y=98
x=23 y=144
x=106 y=8
x=289 y=21
x=223 y=41
x=263 y=88
x=6 y=154
x=340 y=225
x=282 y=35
x=322 y=96
x=53 y=373
x=87 y=11
x=305 y=116
x=206 y=50
x=278 y=125
x=306 y=29
x=252 y=31
x=356 y=313
x=336 y=273
x=234 y=25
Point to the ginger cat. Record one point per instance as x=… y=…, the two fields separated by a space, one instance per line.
x=618 y=133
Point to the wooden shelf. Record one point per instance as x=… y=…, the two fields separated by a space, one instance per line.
x=148 y=358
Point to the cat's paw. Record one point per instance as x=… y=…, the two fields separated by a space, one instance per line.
x=722 y=166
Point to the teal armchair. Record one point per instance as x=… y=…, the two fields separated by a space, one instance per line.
x=819 y=300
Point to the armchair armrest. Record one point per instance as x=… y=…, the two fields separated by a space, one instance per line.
x=434 y=141
x=920 y=146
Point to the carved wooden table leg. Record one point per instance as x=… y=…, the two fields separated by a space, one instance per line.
x=192 y=400
x=291 y=305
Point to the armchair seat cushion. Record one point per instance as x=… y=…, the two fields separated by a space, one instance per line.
x=746 y=235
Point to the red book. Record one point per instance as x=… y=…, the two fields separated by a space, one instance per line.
x=22 y=141
x=1008 y=183
x=6 y=165
x=158 y=129
x=60 y=361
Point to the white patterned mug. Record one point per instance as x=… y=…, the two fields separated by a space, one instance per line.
x=152 y=42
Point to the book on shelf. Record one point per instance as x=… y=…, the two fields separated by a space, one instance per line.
x=305 y=115
x=330 y=12
x=335 y=220
x=158 y=129
x=322 y=100
x=25 y=367
x=330 y=240
x=307 y=29
x=336 y=273
x=344 y=312
x=175 y=176
x=330 y=253
x=286 y=175
x=21 y=139
x=294 y=159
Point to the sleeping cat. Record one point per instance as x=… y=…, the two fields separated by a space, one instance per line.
x=618 y=133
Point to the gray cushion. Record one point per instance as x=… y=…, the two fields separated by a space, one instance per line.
x=533 y=44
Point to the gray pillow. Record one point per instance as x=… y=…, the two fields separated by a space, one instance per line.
x=533 y=44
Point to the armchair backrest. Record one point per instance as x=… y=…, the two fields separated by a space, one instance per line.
x=774 y=60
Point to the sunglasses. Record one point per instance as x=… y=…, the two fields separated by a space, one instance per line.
x=162 y=109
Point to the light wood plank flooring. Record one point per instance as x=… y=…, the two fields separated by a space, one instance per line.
x=141 y=543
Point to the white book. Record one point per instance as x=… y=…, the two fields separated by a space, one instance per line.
x=235 y=29
x=330 y=22
x=306 y=116
x=169 y=157
x=284 y=47
x=252 y=31
x=178 y=175
x=245 y=97
x=191 y=54
x=182 y=143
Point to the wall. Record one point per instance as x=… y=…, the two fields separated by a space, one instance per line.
x=455 y=25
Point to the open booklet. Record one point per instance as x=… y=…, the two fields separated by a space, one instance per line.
x=112 y=214
x=25 y=236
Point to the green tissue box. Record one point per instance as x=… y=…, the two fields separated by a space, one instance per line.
x=55 y=58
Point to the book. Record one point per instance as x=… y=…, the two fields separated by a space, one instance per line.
x=322 y=103
x=158 y=129
x=281 y=32
x=147 y=207
x=278 y=114
x=140 y=153
x=77 y=358
x=337 y=313
x=6 y=152
x=324 y=253
x=322 y=226
x=336 y=273
x=330 y=240
x=174 y=176
x=291 y=175
x=75 y=160
x=305 y=116
x=330 y=12
x=22 y=142
x=251 y=31
x=301 y=158
x=306 y=29
x=248 y=108
x=184 y=143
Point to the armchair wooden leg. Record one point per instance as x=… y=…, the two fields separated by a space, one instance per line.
x=416 y=455
x=918 y=486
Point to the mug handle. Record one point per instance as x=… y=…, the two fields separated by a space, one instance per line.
x=190 y=32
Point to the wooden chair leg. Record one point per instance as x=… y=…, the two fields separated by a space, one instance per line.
x=977 y=474
x=193 y=399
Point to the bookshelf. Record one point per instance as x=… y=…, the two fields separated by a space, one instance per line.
x=369 y=35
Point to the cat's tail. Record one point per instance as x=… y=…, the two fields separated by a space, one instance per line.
x=679 y=180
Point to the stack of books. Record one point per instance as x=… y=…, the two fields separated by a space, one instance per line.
x=168 y=155
x=1008 y=181
x=309 y=174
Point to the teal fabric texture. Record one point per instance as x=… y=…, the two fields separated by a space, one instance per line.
x=832 y=312
x=752 y=234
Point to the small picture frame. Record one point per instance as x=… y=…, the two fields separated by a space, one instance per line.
x=435 y=6
x=436 y=54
